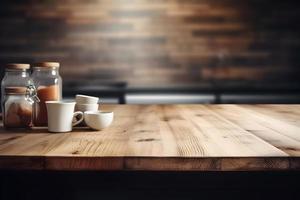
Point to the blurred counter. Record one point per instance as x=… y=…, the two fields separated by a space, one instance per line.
x=205 y=92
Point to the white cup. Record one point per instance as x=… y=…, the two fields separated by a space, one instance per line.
x=60 y=116
x=98 y=120
x=86 y=107
x=84 y=99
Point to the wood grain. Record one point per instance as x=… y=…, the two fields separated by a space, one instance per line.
x=192 y=41
x=166 y=137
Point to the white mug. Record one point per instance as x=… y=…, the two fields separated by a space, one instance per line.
x=60 y=116
x=84 y=99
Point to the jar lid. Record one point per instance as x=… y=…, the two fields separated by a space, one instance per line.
x=19 y=66
x=15 y=90
x=47 y=64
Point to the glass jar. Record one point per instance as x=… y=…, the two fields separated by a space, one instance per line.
x=17 y=107
x=48 y=83
x=16 y=75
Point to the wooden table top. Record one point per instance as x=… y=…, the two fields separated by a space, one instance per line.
x=166 y=137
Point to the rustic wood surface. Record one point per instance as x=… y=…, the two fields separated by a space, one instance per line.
x=166 y=137
x=156 y=41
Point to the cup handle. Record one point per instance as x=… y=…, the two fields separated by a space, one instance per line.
x=75 y=115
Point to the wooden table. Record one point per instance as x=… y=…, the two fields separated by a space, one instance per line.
x=166 y=137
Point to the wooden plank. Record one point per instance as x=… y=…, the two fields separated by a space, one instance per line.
x=291 y=116
x=210 y=164
x=83 y=163
x=285 y=139
x=286 y=129
x=228 y=137
x=184 y=31
x=164 y=137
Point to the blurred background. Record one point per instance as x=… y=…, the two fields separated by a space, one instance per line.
x=161 y=51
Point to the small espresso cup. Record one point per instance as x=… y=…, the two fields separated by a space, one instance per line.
x=61 y=115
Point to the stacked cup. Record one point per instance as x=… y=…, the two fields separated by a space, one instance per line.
x=86 y=103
